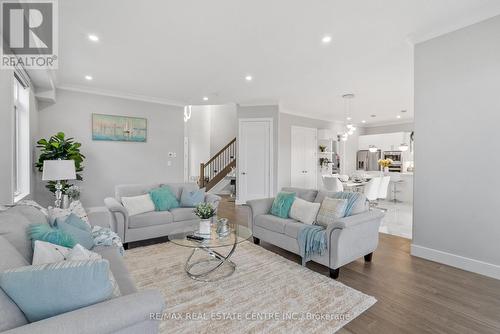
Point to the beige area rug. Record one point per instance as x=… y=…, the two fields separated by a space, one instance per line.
x=266 y=294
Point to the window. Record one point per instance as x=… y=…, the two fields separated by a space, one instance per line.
x=22 y=164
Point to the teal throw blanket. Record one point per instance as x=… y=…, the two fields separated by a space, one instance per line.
x=351 y=197
x=312 y=241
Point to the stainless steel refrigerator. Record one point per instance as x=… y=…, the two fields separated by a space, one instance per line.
x=368 y=161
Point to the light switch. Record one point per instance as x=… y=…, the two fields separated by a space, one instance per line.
x=169 y=163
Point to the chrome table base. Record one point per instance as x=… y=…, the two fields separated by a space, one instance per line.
x=213 y=256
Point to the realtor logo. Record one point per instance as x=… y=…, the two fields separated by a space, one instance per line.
x=29 y=33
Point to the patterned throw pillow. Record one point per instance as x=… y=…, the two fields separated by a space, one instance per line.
x=331 y=209
x=75 y=207
x=163 y=198
x=191 y=198
x=282 y=204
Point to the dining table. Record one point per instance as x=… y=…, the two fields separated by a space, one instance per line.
x=351 y=185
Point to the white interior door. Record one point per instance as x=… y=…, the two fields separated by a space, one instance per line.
x=254 y=159
x=303 y=165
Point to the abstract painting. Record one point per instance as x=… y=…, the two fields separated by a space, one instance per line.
x=119 y=128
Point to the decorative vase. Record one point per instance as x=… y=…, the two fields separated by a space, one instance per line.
x=205 y=225
x=386 y=170
x=65 y=202
x=222 y=227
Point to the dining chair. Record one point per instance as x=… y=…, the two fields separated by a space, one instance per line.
x=332 y=183
x=371 y=190
x=384 y=187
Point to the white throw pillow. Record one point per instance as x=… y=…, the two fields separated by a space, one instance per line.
x=138 y=204
x=45 y=252
x=331 y=210
x=304 y=211
x=75 y=207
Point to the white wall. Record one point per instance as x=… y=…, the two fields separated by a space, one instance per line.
x=457 y=116
x=286 y=121
x=210 y=128
x=390 y=128
x=109 y=163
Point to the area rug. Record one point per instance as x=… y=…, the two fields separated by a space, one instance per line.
x=266 y=294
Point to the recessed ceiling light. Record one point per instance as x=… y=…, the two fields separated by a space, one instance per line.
x=398 y=116
x=373 y=116
x=363 y=121
x=349 y=118
x=88 y=77
x=326 y=39
x=205 y=98
x=248 y=78
x=93 y=38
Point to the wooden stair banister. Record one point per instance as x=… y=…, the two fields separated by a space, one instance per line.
x=218 y=166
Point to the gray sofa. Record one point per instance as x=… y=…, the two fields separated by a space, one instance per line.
x=349 y=238
x=152 y=224
x=129 y=313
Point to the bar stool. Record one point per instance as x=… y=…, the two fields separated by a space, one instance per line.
x=397 y=181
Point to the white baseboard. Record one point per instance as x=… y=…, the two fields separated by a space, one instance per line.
x=475 y=266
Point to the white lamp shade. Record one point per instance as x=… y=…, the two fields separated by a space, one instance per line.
x=56 y=170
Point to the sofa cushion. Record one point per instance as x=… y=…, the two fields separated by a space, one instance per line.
x=306 y=194
x=130 y=190
x=13 y=227
x=163 y=198
x=136 y=205
x=360 y=206
x=282 y=204
x=181 y=214
x=10 y=314
x=292 y=229
x=118 y=268
x=191 y=198
x=272 y=223
x=150 y=219
x=304 y=211
x=47 y=290
x=177 y=188
x=331 y=210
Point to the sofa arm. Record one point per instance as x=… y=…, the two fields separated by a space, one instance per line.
x=353 y=237
x=259 y=207
x=110 y=316
x=213 y=199
x=119 y=216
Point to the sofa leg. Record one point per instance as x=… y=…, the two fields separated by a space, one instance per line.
x=256 y=240
x=334 y=273
x=125 y=245
x=368 y=257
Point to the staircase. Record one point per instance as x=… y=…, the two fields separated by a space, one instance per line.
x=215 y=169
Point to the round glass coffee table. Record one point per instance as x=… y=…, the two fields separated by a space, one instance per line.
x=209 y=267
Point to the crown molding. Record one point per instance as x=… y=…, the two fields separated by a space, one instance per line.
x=127 y=96
x=451 y=26
x=299 y=114
x=386 y=123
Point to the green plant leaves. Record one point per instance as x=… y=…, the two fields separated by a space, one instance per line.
x=59 y=147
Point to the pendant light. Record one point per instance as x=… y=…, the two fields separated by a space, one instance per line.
x=349 y=128
x=403 y=147
x=372 y=148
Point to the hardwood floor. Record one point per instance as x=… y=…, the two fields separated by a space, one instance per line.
x=414 y=295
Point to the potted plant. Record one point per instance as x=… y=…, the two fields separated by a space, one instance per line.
x=322 y=148
x=59 y=147
x=323 y=162
x=385 y=163
x=205 y=211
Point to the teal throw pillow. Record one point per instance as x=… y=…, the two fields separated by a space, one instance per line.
x=80 y=236
x=46 y=290
x=44 y=232
x=163 y=198
x=282 y=204
x=191 y=198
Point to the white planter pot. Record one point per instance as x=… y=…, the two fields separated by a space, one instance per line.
x=386 y=170
x=205 y=225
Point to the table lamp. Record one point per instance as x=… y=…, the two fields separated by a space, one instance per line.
x=58 y=170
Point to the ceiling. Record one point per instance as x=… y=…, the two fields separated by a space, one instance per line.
x=181 y=51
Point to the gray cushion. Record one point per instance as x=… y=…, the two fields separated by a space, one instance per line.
x=360 y=206
x=10 y=315
x=118 y=268
x=181 y=214
x=150 y=219
x=272 y=223
x=13 y=225
x=305 y=194
x=292 y=229
x=177 y=188
x=126 y=190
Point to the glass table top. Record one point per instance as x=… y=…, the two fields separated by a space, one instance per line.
x=237 y=234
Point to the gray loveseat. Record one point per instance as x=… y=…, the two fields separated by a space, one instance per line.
x=349 y=238
x=152 y=224
x=129 y=313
